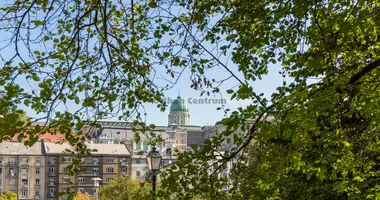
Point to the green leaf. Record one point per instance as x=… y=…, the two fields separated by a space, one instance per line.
x=152 y=4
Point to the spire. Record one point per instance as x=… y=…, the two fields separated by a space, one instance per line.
x=179 y=94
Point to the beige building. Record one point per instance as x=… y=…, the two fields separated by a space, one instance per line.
x=22 y=170
x=108 y=161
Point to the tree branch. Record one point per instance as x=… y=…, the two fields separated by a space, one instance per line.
x=367 y=69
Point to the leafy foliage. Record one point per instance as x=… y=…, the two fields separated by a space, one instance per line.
x=125 y=188
x=7 y=195
x=321 y=140
x=315 y=137
x=83 y=196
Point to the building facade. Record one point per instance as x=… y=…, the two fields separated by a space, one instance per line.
x=43 y=170
x=22 y=170
x=107 y=161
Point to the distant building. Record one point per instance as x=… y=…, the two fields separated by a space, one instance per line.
x=179 y=113
x=179 y=134
x=108 y=161
x=22 y=170
x=41 y=171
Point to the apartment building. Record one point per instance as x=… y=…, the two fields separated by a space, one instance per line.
x=107 y=161
x=22 y=170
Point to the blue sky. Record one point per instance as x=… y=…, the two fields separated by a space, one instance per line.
x=200 y=114
x=203 y=114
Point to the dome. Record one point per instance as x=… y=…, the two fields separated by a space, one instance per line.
x=178 y=105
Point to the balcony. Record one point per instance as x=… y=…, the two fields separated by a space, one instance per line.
x=124 y=164
x=89 y=174
x=37 y=164
x=86 y=184
x=24 y=163
x=51 y=162
x=12 y=163
x=52 y=194
x=91 y=164
x=37 y=197
x=51 y=174
x=12 y=175
x=37 y=185
x=51 y=184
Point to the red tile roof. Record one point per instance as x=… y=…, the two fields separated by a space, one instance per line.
x=48 y=137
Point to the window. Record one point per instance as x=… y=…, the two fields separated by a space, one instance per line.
x=24 y=182
x=51 y=181
x=145 y=145
x=24 y=160
x=137 y=173
x=93 y=190
x=137 y=161
x=37 y=170
x=1 y=160
x=110 y=160
x=51 y=160
x=12 y=182
x=81 y=180
x=65 y=180
x=138 y=146
x=109 y=179
x=51 y=169
x=38 y=161
x=51 y=190
x=81 y=190
x=110 y=169
x=95 y=160
x=66 y=170
x=37 y=182
x=12 y=172
x=83 y=160
x=123 y=169
x=95 y=170
x=67 y=159
x=123 y=161
x=37 y=193
x=24 y=193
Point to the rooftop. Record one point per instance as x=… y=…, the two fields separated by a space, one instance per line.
x=179 y=104
x=14 y=148
x=114 y=149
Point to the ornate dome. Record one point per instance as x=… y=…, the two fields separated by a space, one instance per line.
x=179 y=105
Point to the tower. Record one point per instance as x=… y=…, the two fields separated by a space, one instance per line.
x=179 y=113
